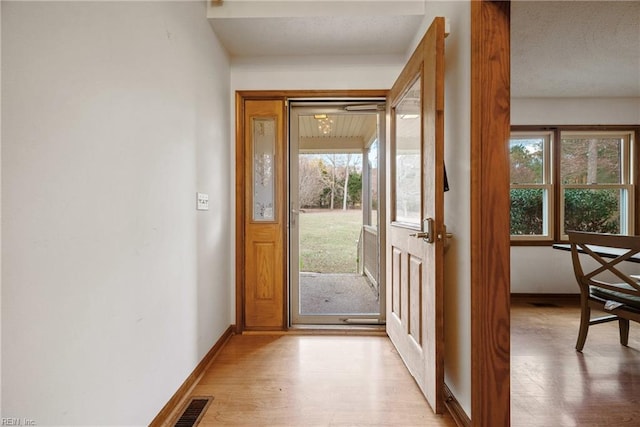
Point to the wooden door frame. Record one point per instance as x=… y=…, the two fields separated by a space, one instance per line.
x=241 y=97
x=490 y=240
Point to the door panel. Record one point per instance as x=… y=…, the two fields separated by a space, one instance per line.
x=415 y=200
x=415 y=299
x=396 y=288
x=264 y=268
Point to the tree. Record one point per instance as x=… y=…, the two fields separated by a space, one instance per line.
x=590 y=160
x=345 y=191
x=330 y=178
x=526 y=164
x=311 y=183
x=355 y=188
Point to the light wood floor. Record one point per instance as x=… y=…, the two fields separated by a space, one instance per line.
x=313 y=380
x=317 y=380
x=554 y=385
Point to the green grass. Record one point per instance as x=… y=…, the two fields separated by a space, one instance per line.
x=329 y=240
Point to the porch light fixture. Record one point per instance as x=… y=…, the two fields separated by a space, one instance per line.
x=324 y=123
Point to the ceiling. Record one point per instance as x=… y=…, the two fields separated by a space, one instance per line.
x=558 y=49
x=325 y=35
x=575 y=49
x=318 y=27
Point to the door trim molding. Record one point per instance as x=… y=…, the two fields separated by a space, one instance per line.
x=455 y=409
x=240 y=98
x=490 y=246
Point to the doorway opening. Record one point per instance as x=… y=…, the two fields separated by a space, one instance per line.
x=335 y=183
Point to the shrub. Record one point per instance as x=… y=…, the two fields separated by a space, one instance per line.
x=584 y=210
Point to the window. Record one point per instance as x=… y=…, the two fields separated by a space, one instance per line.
x=571 y=178
x=531 y=203
x=595 y=174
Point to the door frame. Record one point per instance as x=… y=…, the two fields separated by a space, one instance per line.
x=333 y=107
x=490 y=217
x=241 y=209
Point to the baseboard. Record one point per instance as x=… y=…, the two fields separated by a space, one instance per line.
x=455 y=409
x=168 y=412
x=546 y=298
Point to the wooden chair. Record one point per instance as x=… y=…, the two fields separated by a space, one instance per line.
x=621 y=299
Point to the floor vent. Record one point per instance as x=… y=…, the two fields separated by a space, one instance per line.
x=193 y=412
x=544 y=304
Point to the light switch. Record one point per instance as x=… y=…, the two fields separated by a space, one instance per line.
x=202 y=201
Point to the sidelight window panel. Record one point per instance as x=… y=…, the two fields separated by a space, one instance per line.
x=264 y=143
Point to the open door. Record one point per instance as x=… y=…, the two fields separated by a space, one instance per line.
x=334 y=238
x=416 y=236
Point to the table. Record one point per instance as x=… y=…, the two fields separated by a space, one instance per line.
x=603 y=251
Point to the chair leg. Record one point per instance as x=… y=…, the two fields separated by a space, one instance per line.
x=585 y=316
x=624 y=331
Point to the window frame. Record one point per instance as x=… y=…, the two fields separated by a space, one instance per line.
x=626 y=184
x=556 y=212
x=548 y=202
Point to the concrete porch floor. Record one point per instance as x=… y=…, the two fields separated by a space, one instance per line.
x=335 y=293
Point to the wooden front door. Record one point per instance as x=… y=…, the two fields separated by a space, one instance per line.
x=416 y=238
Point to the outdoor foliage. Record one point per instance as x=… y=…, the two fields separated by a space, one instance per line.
x=322 y=181
x=354 y=189
x=583 y=161
x=585 y=210
x=591 y=160
x=311 y=178
x=526 y=164
x=526 y=211
x=592 y=210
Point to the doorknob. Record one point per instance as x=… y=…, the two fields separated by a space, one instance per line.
x=420 y=235
x=446 y=234
x=427 y=231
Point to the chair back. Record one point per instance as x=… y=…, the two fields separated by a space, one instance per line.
x=608 y=250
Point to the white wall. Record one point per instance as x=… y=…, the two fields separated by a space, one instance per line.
x=457 y=206
x=113 y=287
x=315 y=72
x=528 y=262
x=0 y=211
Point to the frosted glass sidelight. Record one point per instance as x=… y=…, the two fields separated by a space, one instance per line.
x=264 y=143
